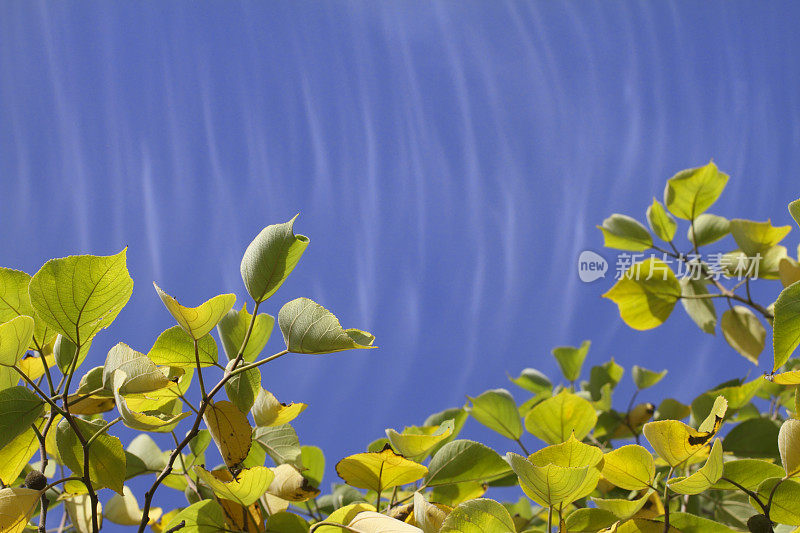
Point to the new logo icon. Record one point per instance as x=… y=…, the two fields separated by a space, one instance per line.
x=591 y=266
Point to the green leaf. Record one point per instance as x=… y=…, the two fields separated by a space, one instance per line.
x=556 y=418
x=379 y=471
x=672 y=409
x=460 y=461
x=589 y=519
x=197 y=321
x=794 y=210
x=623 y=509
x=286 y=522
x=629 y=467
x=784 y=508
x=281 y=443
x=700 y=310
x=81 y=294
x=789 y=446
x=15 y=301
x=309 y=328
x=644 y=378
x=646 y=294
x=690 y=523
x=786 y=325
x=107 y=463
x=19 y=408
x=552 y=485
x=478 y=516
x=15 y=337
x=661 y=222
x=205 y=516
x=161 y=420
x=625 y=233
x=744 y=332
x=497 y=410
x=248 y=487
x=690 y=192
x=570 y=359
x=704 y=477
x=243 y=388
x=709 y=229
x=65 y=351
x=313 y=460
x=749 y=473
x=757 y=437
x=175 y=347
x=270 y=258
x=457 y=415
x=756 y=237
x=15 y=455
x=232 y=329
x=533 y=381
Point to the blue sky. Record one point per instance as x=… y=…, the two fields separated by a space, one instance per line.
x=449 y=160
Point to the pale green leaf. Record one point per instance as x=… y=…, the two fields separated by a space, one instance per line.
x=460 y=461
x=82 y=294
x=661 y=222
x=756 y=237
x=786 y=325
x=700 y=310
x=497 y=410
x=198 y=321
x=107 y=462
x=232 y=329
x=789 y=446
x=280 y=443
x=691 y=192
x=708 y=228
x=478 y=516
x=556 y=418
x=646 y=294
x=124 y=509
x=625 y=233
x=744 y=332
x=206 y=516
x=570 y=359
x=15 y=337
x=309 y=328
x=243 y=388
x=175 y=347
x=704 y=477
x=644 y=378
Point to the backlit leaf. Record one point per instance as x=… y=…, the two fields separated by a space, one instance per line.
x=270 y=258
x=744 y=332
x=660 y=221
x=623 y=509
x=281 y=443
x=230 y=430
x=553 y=485
x=461 y=461
x=533 y=381
x=572 y=453
x=786 y=325
x=15 y=337
x=106 y=456
x=674 y=441
x=478 y=516
x=700 y=310
x=205 y=516
x=646 y=294
x=309 y=328
x=789 y=446
x=379 y=471
x=232 y=329
x=82 y=294
x=589 y=519
x=756 y=237
x=749 y=473
x=373 y=522
x=245 y=490
x=629 y=467
x=19 y=408
x=290 y=485
x=124 y=510
x=704 y=477
x=175 y=347
x=16 y=508
x=690 y=192
x=15 y=301
x=198 y=321
x=497 y=410
x=784 y=508
x=415 y=443
x=268 y=411
x=141 y=373
x=708 y=228
x=625 y=233
x=570 y=359
x=556 y=418
x=644 y=378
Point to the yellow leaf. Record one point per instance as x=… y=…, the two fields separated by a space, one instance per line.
x=124 y=510
x=15 y=336
x=416 y=442
x=551 y=484
x=33 y=367
x=630 y=467
x=79 y=509
x=646 y=294
x=16 y=508
x=268 y=411
x=379 y=471
x=16 y=454
x=245 y=490
x=674 y=441
x=623 y=509
x=556 y=418
x=706 y=476
x=198 y=321
x=572 y=453
x=372 y=522
x=231 y=431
